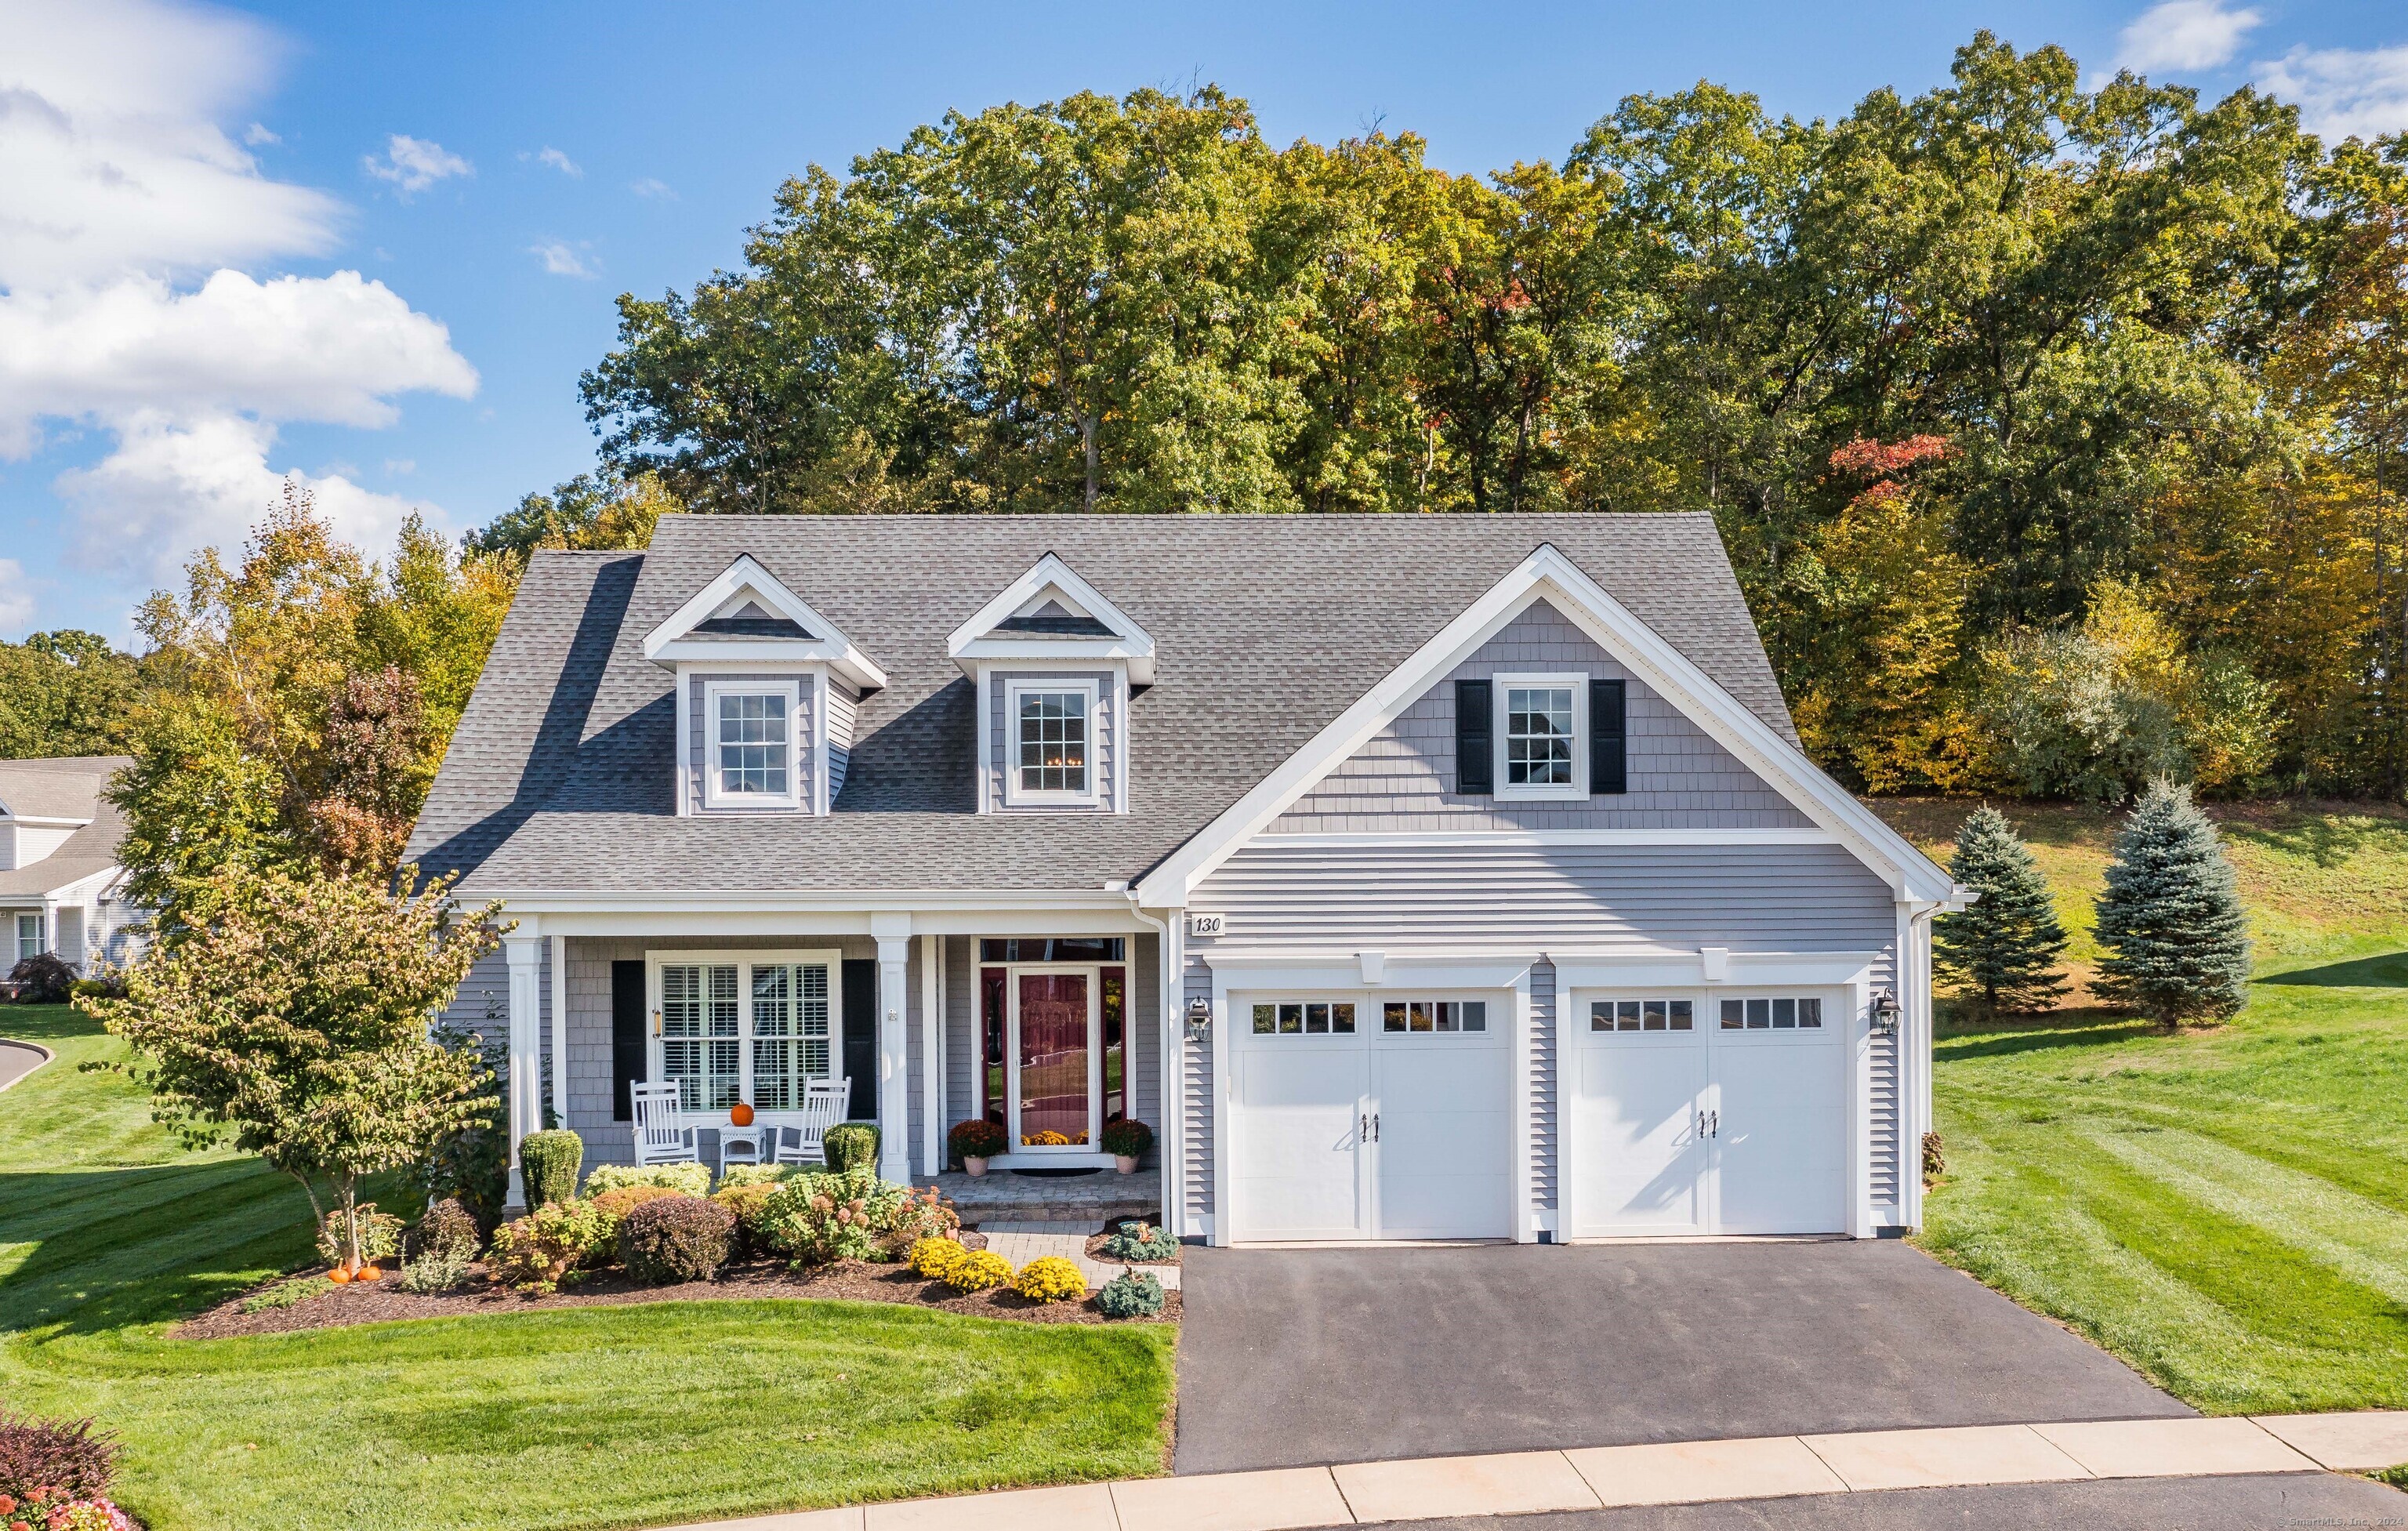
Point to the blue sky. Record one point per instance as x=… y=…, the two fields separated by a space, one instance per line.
x=374 y=246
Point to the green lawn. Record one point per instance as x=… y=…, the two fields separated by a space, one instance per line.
x=2226 y=1210
x=594 y=1417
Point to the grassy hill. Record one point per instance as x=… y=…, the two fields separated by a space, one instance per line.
x=2225 y=1209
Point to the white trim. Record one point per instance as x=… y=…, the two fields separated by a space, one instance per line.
x=670 y=642
x=1500 y=704
x=1548 y=575
x=1417 y=839
x=713 y=797
x=1014 y=794
x=932 y=1082
x=36 y=821
x=971 y=642
x=560 y=1028
x=1740 y=969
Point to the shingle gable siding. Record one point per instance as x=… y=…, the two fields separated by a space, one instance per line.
x=1404 y=778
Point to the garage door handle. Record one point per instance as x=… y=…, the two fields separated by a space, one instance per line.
x=1717 y=1117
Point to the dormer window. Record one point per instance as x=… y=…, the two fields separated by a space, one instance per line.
x=751 y=744
x=1052 y=736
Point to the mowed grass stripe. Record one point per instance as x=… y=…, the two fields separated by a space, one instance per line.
x=2349 y=1235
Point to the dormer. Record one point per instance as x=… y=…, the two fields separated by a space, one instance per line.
x=1054 y=662
x=765 y=693
x=40 y=811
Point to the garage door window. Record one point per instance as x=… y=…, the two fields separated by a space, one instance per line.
x=1434 y=1015
x=1641 y=1015
x=1305 y=1018
x=1805 y=1013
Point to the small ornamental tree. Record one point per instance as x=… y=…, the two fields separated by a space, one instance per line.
x=2171 y=918
x=297 y=1021
x=2006 y=946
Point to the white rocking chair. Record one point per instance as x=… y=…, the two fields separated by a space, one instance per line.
x=823 y=1108
x=659 y=1137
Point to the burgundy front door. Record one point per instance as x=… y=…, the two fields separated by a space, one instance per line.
x=1054 y=1057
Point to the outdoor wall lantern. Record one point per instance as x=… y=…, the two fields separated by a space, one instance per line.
x=1885 y=1014
x=1199 y=1019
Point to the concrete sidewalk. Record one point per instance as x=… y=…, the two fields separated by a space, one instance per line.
x=1606 y=1478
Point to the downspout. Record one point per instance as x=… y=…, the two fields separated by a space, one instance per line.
x=1171 y=1061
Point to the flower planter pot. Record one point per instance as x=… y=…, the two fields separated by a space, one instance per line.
x=1124 y=1162
x=975 y=1167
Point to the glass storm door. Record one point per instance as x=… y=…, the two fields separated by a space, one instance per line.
x=1053 y=1091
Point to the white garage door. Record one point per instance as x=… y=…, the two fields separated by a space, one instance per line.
x=1368 y=1116
x=1692 y=1113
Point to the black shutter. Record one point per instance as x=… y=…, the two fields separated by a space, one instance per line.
x=626 y=1037
x=1608 y=750
x=860 y=1036
x=1475 y=735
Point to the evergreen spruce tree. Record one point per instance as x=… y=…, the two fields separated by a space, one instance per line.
x=2007 y=944
x=2171 y=918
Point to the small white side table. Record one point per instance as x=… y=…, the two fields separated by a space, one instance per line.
x=740 y=1145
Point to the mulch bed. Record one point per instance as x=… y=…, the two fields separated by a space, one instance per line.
x=1095 y=1251
x=847 y=1280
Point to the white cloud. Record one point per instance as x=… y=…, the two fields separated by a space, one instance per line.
x=561 y=259
x=2344 y=92
x=128 y=307
x=413 y=165
x=648 y=187
x=2185 y=35
x=559 y=161
x=257 y=134
x=17 y=604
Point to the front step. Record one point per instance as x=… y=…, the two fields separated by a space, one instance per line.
x=1002 y=1195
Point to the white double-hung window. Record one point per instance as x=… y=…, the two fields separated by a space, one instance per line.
x=753 y=1027
x=1051 y=742
x=29 y=936
x=1545 y=718
x=749 y=743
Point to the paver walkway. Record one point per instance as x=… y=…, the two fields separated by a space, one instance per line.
x=1604 y=1478
x=1021 y=1243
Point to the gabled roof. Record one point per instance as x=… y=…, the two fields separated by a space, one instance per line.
x=1266 y=630
x=747 y=615
x=62 y=791
x=1050 y=612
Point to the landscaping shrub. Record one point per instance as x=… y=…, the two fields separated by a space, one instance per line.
x=285 y=1294
x=549 y=1163
x=429 y=1274
x=686 y=1175
x=745 y=1200
x=50 y=1509
x=618 y=1203
x=1132 y=1293
x=849 y=1146
x=448 y=1231
x=977 y=1139
x=814 y=1219
x=1138 y=1241
x=1049 y=1277
x=736 y=1175
x=42 y=979
x=1127 y=1137
x=976 y=1270
x=473 y=1164
x=676 y=1238
x=935 y=1258
x=380 y=1235
x=64 y=1455
x=538 y=1251
x=918 y=1214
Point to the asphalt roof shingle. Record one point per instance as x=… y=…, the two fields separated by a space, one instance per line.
x=1266 y=628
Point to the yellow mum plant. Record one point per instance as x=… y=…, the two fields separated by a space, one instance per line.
x=976 y=1270
x=1049 y=1279
x=935 y=1258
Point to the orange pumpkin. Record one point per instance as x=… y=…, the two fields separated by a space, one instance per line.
x=370 y=1273
x=338 y=1275
x=742 y=1115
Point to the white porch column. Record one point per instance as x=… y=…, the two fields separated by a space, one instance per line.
x=523 y=947
x=559 y=1029
x=894 y=934
x=932 y=1063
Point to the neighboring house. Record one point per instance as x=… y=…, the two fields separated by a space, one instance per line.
x=1415 y=877
x=60 y=889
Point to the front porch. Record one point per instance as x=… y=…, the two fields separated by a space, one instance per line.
x=1003 y=1195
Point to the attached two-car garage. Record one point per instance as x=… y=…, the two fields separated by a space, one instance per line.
x=1683 y=1112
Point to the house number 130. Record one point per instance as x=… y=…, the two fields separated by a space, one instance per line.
x=1204 y=925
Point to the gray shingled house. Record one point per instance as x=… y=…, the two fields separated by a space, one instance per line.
x=1412 y=877
x=61 y=888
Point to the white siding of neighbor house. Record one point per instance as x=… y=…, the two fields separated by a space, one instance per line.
x=804 y=748
x=1002 y=752
x=1403 y=780
x=1531 y=899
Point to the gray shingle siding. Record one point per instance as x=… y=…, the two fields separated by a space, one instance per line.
x=1404 y=778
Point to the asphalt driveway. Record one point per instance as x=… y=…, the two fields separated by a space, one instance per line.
x=1300 y=1357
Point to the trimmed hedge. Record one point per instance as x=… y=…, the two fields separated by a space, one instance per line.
x=849 y=1146
x=676 y=1238
x=549 y=1163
